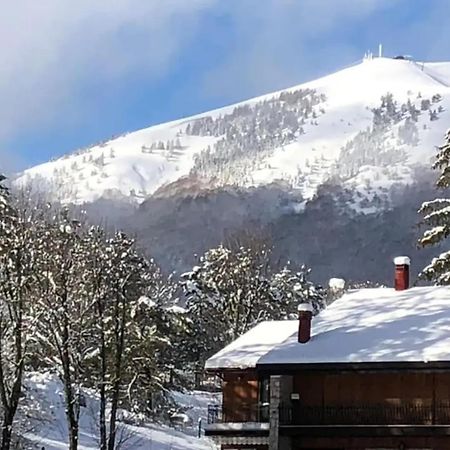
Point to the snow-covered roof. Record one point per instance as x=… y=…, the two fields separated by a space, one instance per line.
x=367 y=325
x=246 y=351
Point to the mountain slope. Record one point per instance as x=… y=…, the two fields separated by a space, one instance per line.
x=336 y=126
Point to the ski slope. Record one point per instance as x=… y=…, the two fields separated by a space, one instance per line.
x=128 y=166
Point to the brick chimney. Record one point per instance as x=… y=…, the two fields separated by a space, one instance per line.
x=305 y=312
x=402 y=264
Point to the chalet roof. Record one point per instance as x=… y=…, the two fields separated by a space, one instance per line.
x=248 y=349
x=363 y=326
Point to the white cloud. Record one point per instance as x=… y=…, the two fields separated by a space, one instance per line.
x=273 y=39
x=53 y=51
x=56 y=56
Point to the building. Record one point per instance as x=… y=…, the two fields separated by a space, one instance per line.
x=371 y=371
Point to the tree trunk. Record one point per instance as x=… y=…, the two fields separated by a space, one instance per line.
x=10 y=397
x=7 y=431
x=73 y=436
x=103 y=440
x=117 y=376
x=72 y=422
x=10 y=412
x=71 y=415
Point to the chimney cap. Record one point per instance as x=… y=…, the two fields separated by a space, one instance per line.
x=336 y=284
x=305 y=307
x=402 y=261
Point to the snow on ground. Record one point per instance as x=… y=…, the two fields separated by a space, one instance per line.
x=50 y=431
x=366 y=325
x=126 y=165
x=195 y=404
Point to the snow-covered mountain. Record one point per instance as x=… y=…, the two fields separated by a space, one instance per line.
x=369 y=126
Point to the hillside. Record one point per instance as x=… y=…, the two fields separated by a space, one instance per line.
x=368 y=126
x=48 y=428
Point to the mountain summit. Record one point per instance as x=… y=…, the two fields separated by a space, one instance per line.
x=369 y=126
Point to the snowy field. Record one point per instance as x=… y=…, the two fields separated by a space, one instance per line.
x=50 y=431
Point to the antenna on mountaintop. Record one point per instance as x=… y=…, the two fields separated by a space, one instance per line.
x=368 y=56
x=380 y=50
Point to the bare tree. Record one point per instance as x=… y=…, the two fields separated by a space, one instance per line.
x=116 y=281
x=65 y=314
x=17 y=267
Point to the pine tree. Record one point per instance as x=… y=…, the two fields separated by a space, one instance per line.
x=437 y=217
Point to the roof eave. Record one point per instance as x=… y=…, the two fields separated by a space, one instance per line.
x=378 y=366
x=220 y=370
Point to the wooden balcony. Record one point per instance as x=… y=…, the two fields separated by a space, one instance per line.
x=371 y=415
x=352 y=415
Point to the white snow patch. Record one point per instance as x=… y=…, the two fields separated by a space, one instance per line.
x=51 y=429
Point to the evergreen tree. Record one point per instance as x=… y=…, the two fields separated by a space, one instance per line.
x=437 y=217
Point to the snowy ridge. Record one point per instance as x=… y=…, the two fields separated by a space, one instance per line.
x=296 y=135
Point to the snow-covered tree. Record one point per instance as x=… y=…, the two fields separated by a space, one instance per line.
x=6 y=210
x=226 y=295
x=17 y=270
x=128 y=336
x=65 y=317
x=437 y=218
x=290 y=288
x=250 y=133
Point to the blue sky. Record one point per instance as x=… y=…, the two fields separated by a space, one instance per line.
x=73 y=73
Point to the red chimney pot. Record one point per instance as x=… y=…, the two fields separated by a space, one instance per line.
x=401 y=281
x=305 y=312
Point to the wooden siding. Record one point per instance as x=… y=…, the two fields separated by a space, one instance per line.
x=240 y=395
x=432 y=443
x=321 y=389
x=395 y=388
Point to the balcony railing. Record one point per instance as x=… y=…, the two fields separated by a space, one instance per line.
x=374 y=414
x=381 y=414
x=238 y=414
